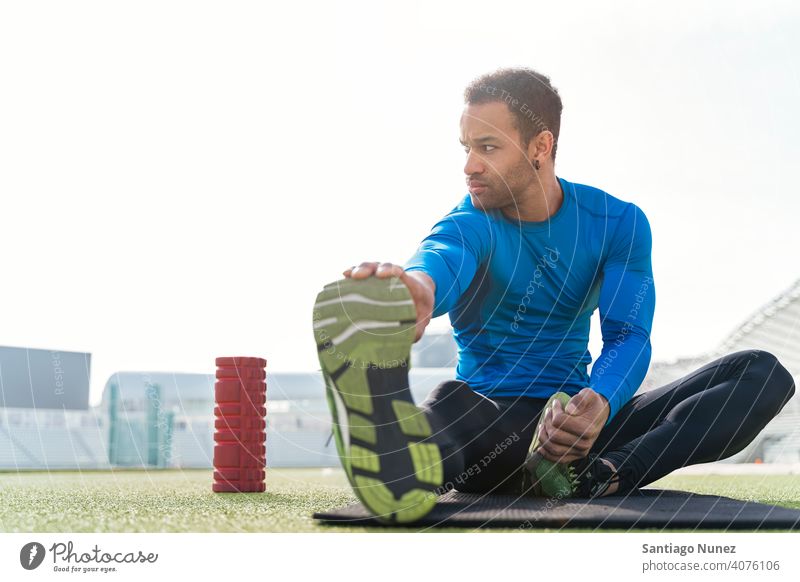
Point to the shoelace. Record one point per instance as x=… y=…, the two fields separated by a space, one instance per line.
x=622 y=477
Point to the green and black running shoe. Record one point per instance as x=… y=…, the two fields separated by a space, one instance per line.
x=364 y=330
x=588 y=477
x=544 y=478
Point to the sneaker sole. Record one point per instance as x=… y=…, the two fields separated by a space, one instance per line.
x=364 y=330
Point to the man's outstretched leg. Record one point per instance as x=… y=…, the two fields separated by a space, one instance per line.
x=708 y=415
x=364 y=330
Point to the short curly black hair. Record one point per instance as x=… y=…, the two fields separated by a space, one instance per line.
x=529 y=95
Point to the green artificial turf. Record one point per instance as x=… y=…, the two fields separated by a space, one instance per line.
x=182 y=501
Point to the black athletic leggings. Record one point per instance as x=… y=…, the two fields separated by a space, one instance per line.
x=710 y=414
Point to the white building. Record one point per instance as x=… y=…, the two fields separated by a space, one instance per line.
x=45 y=419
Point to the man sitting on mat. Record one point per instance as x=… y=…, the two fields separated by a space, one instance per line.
x=520 y=264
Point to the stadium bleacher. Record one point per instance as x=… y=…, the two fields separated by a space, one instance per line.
x=30 y=441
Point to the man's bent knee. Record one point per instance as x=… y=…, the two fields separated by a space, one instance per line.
x=776 y=385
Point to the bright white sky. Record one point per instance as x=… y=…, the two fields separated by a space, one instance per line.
x=180 y=178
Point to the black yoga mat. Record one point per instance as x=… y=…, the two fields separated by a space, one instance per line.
x=643 y=509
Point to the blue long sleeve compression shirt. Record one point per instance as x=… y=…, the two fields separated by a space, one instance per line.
x=520 y=295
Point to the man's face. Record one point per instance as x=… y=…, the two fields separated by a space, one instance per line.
x=497 y=168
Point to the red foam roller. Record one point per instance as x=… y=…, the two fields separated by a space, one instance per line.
x=243 y=373
x=235 y=457
x=239 y=449
x=251 y=385
x=240 y=409
x=240 y=361
x=245 y=448
x=244 y=488
x=237 y=474
x=237 y=422
x=233 y=393
x=239 y=436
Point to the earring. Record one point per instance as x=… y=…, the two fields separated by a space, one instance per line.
x=536 y=164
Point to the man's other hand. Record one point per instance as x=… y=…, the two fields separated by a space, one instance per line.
x=568 y=433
